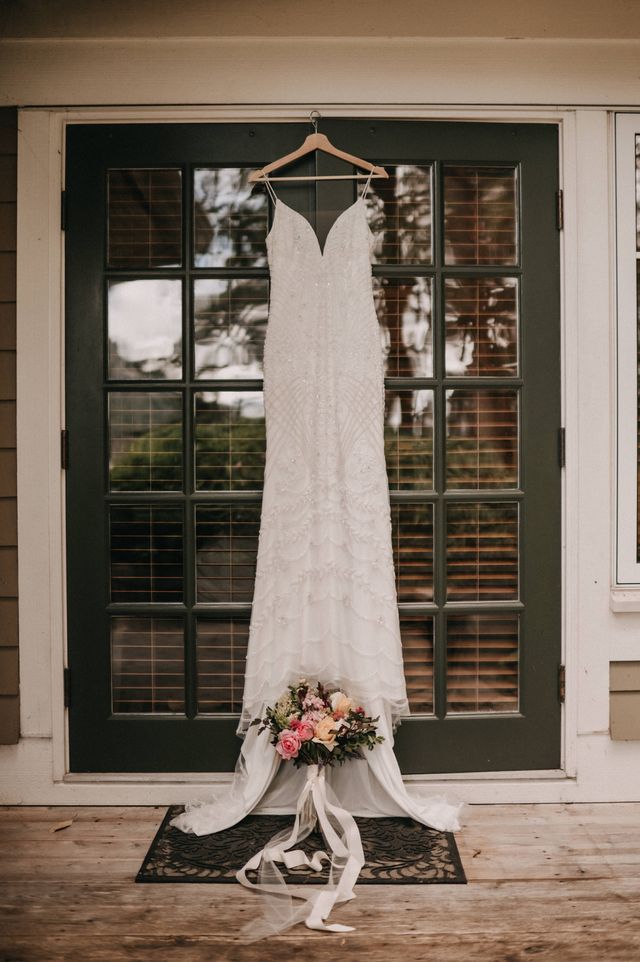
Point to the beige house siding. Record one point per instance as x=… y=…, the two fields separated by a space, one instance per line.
x=9 y=682
x=624 y=702
x=544 y=20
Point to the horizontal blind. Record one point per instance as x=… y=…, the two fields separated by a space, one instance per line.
x=146 y=554
x=230 y=438
x=417 y=653
x=480 y=215
x=226 y=551
x=482 y=662
x=147 y=665
x=482 y=551
x=145 y=441
x=144 y=218
x=221 y=648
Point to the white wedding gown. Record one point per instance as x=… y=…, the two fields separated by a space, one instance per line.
x=324 y=604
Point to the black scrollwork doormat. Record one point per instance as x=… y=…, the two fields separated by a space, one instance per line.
x=396 y=850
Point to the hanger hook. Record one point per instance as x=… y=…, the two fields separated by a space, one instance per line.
x=314 y=119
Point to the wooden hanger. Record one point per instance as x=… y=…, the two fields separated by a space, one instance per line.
x=316 y=141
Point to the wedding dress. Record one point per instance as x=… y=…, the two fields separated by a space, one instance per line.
x=324 y=605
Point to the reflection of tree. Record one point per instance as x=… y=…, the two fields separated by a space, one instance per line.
x=165 y=368
x=480 y=215
x=230 y=323
x=400 y=361
x=482 y=322
x=153 y=460
x=400 y=217
x=482 y=442
x=230 y=219
x=409 y=455
x=229 y=456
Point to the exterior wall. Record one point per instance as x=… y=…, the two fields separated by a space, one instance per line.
x=591 y=65
x=544 y=19
x=625 y=700
x=9 y=703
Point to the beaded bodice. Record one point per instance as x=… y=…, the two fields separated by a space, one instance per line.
x=324 y=601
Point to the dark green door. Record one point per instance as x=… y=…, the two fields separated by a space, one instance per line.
x=167 y=294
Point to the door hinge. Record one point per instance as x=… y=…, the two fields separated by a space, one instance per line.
x=561 y=447
x=63 y=210
x=561 y=683
x=64 y=449
x=66 y=681
x=560 y=209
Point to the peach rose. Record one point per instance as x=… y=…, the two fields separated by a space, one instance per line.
x=288 y=744
x=326 y=732
x=340 y=702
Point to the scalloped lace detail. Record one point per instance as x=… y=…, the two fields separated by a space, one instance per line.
x=324 y=601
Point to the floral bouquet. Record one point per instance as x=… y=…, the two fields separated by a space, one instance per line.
x=314 y=725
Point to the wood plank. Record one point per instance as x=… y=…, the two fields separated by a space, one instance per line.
x=558 y=883
x=496 y=908
x=439 y=948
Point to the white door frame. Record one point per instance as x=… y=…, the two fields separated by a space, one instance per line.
x=39 y=763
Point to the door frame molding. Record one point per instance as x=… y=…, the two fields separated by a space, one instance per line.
x=40 y=361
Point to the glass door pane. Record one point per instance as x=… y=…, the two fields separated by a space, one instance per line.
x=167 y=310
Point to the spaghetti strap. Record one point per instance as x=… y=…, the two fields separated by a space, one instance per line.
x=270 y=189
x=366 y=186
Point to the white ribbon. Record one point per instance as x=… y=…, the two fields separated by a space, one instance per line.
x=340 y=832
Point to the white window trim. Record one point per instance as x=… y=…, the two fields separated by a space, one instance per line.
x=625 y=594
x=40 y=767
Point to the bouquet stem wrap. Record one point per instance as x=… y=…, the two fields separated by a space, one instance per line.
x=316 y=802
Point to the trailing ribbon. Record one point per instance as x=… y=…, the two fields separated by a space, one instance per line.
x=316 y=802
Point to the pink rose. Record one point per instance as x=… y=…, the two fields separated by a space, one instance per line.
x=303 y=728
x=288 y=744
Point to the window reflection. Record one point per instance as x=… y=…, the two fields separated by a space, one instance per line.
x=146 y=553
x=144 y=217
x=226 y=551
x=230 y=440
x=481 y=319
x=221 y=653
x=482 y=662
x=480 y=215
x=400 y=215
x=482 y=439
x=230 y=323
x=412 y=539
x=417 y=656
x=482 y=551
x=404 y=309
x=145 y=441
x=408 y=435
x=144 y=323
x=230 y=218
x=147 y=665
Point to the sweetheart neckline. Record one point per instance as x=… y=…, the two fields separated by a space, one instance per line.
x=322 y=251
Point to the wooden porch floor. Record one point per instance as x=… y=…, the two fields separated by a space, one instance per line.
x=546 y=882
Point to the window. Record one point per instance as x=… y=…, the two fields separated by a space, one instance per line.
x=628 y=360
x=167 y=307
